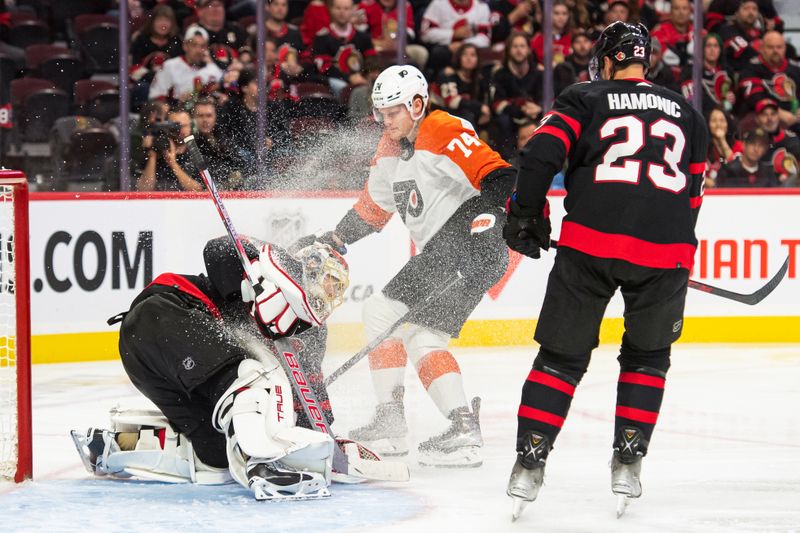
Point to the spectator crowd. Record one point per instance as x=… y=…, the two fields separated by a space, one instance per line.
x=193 y=70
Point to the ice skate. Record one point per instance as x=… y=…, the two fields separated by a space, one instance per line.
x=275 y=481
x=94 y=446
x=626 y=465
x=386 y=433
x=459 y=446
x=527 y=475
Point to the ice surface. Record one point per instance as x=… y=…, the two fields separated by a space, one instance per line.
x=725 y=457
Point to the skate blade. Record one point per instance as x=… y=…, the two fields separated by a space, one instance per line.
x=467 y=457
x=394 y=447
x=264 y=495
x=517 y=506
x=79 y=440
x=622 y=504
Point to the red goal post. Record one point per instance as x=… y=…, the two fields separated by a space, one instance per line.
x=16 y=454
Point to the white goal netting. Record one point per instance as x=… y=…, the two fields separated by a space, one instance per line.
x=8 y=352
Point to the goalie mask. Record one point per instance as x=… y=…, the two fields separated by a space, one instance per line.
x=326 y=277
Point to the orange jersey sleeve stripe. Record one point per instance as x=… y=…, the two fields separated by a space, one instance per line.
x=369 y=211
x=435 y=365
x=444 y=134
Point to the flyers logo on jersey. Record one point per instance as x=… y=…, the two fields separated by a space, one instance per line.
x=407 y=198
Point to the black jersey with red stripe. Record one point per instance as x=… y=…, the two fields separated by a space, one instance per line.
x=635 y=156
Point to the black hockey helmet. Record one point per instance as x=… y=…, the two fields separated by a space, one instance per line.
x=623 y=43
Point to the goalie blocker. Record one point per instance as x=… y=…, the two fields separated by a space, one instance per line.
x=188 y=343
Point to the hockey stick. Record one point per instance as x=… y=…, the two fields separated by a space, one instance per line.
x=750 y=299
x=347 y=365
x=290 y=361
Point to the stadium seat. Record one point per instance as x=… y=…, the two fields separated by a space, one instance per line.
x=62 y=11
x=82 y=151
x=99 y=43
x=317 y=100
x=98 y=99
x=57 y=64
x=27 y=32
x=37 y=105
x=8 y=71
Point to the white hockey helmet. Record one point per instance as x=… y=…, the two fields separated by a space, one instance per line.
x=396 y=85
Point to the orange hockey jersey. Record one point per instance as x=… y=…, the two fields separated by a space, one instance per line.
x=446 y=169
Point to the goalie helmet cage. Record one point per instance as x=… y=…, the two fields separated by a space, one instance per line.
x=16 y=455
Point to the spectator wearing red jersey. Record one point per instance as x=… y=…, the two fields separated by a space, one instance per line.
x=339 y=49
x=562 y=35
x=770 y=75
x=718 y=89
x=675 y=35
x=742 y=36
x=380 y=18
x=315 y=17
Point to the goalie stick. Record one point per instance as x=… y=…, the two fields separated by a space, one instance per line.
x=347 y=365
x=750 y=299
x=355 y=467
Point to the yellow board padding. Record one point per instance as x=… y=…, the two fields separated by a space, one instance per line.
x=101 y=346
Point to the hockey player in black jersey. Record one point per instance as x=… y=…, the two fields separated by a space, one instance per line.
x=199 y=347
x=636 y=154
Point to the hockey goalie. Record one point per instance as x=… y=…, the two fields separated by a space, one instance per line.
x=200 y=348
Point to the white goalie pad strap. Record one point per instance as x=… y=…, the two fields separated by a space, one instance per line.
x=253 y=374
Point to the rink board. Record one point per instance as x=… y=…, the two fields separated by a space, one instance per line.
x=92 y=253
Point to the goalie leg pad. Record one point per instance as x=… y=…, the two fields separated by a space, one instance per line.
x=256 y=416
x=159 y=454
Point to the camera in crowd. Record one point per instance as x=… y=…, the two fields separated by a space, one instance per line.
x=162 y=132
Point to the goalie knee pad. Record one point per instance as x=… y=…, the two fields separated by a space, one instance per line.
x=256 y=416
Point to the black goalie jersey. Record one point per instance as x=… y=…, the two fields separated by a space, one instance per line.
x=635 y=157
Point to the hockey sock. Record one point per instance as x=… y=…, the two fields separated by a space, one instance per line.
x=639 y=394
x=546 y=397
x=387 y=362
x=441 y=376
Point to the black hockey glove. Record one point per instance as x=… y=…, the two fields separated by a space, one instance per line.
x=527 y=231
x=325 y=238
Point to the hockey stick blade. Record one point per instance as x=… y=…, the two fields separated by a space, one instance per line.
x=749 y=299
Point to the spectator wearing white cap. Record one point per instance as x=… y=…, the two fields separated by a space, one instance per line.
x=186 y=76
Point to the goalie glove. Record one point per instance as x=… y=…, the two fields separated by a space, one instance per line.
x=527 y=231
x=269 y=308
x=295 y=292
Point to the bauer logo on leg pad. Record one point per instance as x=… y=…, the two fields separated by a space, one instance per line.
x=482 y=223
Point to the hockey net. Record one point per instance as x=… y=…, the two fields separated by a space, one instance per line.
x=15 y=406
